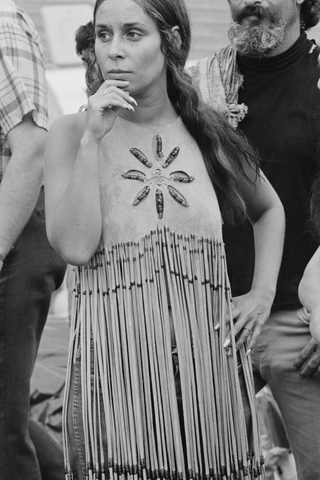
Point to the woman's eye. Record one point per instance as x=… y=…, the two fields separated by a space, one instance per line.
x=103 y=35
x=134 y=35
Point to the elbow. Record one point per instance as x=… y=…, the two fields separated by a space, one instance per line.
x=74 y=256
x=280 y=215
x=73 y=253
x=274 y=213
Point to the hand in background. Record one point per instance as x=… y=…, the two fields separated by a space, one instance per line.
x=308 y=361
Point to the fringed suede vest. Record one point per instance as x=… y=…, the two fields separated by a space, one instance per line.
x=151 y=392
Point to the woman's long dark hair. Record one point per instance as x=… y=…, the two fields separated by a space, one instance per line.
x=224 y=150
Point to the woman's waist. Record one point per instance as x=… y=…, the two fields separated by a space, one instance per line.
x=126 y=227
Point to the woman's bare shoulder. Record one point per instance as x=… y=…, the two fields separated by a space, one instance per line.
x=71 y=125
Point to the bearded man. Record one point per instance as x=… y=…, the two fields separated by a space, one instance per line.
x=266 y=84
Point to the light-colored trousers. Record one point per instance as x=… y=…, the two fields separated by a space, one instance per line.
x=283 y=337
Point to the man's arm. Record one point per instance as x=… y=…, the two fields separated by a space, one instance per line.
x=309 y=288
x=23 y=123
x=308 y=360
x=21 y=183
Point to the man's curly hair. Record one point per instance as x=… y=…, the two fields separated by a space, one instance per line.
x=309 y=14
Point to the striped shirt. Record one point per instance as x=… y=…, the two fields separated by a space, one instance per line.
x=22 y=76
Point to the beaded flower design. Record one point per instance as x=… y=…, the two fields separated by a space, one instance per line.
x=158 y=176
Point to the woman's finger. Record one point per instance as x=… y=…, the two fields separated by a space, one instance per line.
x=241 y=333
x=122 y=84
x=245 y=336
x=114 y=97
x=113 y=88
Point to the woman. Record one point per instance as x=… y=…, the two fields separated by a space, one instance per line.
x=137 y=187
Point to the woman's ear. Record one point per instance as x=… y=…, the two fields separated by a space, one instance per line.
x=176 y=34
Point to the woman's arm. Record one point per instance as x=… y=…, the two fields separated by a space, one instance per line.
x=266 y=214
x=73 y=209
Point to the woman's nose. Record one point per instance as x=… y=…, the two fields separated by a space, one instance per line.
x=116 y=48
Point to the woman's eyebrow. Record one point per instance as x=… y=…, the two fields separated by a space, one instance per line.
x=133 y=24
x=125 y=25
x=100 y=25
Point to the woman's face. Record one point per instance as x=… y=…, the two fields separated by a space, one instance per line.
x=128 y=46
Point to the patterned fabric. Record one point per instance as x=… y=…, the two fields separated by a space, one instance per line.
x=217 y=79
x=22 y=76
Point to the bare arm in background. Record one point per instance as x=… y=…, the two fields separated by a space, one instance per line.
x=21 y=183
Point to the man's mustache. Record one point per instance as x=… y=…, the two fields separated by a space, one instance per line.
x=252 y=10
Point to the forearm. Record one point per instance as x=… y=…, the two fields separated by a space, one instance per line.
x=19 y=191
x=76 y=225
x=269 y=238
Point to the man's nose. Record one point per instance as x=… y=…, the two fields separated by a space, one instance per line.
x=252 y=3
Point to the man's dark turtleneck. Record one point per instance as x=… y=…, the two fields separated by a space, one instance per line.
x=283 y=125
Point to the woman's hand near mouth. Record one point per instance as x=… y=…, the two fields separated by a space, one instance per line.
x=102 y=107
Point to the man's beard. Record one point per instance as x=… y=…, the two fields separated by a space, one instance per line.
x=259 y=37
